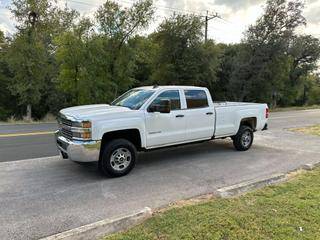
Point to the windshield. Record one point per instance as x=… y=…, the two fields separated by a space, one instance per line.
x=133 y=99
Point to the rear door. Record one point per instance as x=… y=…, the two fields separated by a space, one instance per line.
x=166 y=128
x=199 y=115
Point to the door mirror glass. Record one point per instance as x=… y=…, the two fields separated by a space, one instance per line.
x=163 y=106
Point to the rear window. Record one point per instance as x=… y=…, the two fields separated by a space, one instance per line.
x=196 y=98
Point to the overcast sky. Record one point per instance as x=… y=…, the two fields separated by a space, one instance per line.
x=236 y=14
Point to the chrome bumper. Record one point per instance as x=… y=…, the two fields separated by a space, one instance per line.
x=79 y=151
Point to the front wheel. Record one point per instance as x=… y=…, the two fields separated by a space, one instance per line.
x=118 y=158
x=244 y=138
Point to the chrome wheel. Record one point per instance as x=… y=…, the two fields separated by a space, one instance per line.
x=246 y=139
x=120 y=159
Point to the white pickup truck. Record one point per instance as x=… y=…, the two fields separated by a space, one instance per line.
x=153 y=117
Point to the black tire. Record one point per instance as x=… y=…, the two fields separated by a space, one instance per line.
x=242 y=141
x=107 y=163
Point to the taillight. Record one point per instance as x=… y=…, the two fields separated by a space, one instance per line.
x=267 y=112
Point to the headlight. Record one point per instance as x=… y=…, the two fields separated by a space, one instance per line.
x=83 y=124
x=82 y=130
x=82 y=135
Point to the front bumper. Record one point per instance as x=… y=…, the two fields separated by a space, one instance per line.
x=79 y=151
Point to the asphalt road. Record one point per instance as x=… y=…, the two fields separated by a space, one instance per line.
x=40 y=197
x=26 y=141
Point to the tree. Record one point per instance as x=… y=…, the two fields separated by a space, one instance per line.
x=144 y=51
x=7 y=101
x=31 y=54
x=118 y=25
x=71 y=56
x=27 y=60
x=268 y=42
x=305 y=53
x=182 y=58
x=314 y=89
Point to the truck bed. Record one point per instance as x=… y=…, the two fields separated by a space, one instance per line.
x=227 y=115
x=231 y=104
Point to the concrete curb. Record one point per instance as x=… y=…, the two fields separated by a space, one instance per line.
x=247 y=186
x=310 y=166
x=102 y=228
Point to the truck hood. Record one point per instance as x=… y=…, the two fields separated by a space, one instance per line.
x=90 y=112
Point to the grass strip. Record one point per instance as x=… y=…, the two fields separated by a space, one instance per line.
x=286 y=211
x=312 y=130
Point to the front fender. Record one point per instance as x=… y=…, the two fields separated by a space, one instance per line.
x=120 y=124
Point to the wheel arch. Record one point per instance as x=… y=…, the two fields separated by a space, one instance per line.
x=133 y=135
x=250 y=122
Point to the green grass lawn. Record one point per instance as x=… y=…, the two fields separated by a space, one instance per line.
x=313 y=130
x=287 y=211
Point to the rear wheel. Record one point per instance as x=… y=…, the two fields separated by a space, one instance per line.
x=118 y=158
x=242 y=141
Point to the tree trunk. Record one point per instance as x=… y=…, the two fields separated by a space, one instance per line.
x=29 y=112
x=274 y=99
x=304 y=101
x=76 y=84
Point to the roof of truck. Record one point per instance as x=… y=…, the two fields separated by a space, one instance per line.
x=170 y=87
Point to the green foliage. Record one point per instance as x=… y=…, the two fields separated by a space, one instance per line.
x=181 y=56
x=119 y=25
x=273 y=61
x=313 y=94
x=71 y=55
x=145 y=51
x=7 y=102
x=27 y=60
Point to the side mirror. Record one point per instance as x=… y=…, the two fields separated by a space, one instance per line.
x=164 y=106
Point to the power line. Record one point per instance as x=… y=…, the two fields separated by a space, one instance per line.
x=159 y=7
x=207 y=17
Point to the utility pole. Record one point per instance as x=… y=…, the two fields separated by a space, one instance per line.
x=208 y=18
x=33 y=18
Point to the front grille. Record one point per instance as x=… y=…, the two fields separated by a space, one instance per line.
x=66 y=122
x=71 y=129
x=65 y=127
x=66 y=133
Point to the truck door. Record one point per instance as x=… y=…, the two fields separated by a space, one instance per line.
x=166 y=128
x=199 y=115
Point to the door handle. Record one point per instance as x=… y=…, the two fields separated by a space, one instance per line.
x=209 y=113
x=179 y=116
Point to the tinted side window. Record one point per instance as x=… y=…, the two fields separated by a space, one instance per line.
x=172 y=95
x=196 y=98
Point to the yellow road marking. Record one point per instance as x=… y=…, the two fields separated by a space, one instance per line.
x=24 y=134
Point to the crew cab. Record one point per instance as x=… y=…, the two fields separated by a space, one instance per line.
x=153 y=117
